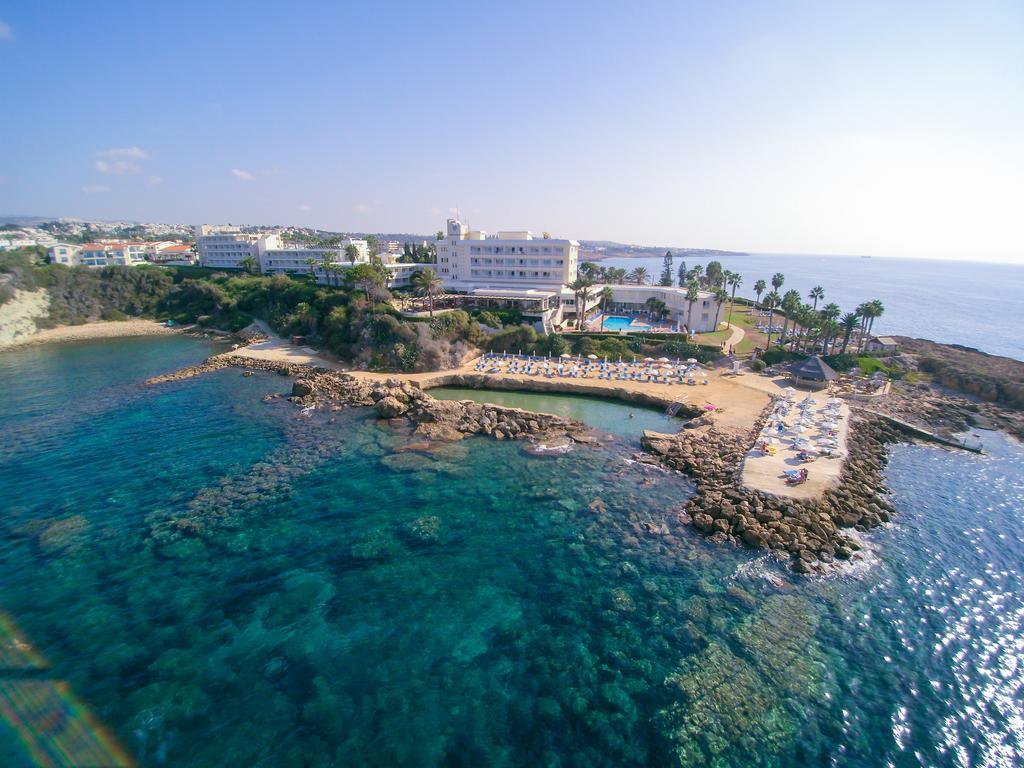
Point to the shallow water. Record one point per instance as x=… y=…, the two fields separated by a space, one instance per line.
x=622 y=419
x=224 y=583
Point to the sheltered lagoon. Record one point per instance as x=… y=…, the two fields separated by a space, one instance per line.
x=222 y=581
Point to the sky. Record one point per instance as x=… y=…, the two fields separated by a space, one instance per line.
x=882 y=128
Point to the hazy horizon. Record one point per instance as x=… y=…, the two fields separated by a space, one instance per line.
x=846 y=129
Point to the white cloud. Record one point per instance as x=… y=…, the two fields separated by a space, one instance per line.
x=435 y=212
x=120 y=160
x=362 y=208
x=238 y=173
x=303 y=207
x=5 y=31
x=95 y=189
x=154 y=181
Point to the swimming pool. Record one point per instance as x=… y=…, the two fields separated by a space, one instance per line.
x=618 y=323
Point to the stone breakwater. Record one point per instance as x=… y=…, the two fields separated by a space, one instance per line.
x=402 y=402
x=447 y=420
x=808 y=531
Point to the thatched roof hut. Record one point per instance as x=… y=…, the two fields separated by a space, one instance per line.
x=813 y=372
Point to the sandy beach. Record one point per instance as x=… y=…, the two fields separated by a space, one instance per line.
x=89 y=331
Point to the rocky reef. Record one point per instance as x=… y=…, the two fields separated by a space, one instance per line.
x=810 y=531
x=446 y=420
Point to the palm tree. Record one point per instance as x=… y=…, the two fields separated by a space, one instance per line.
x=829 y=314
x=313 y=263
x=639 y=276
x=692 y=294
x=720 y=297
x=771 y=301
x=607 y=297
x=577 y=286
x=249 y=264
x=697 y=273
x=848 y=322
x=426 y=282
x=817 y=292
x=734 y=280
x=352 y=252
x=616 y=275
x=328 y=264
x=829 y=330
x=652 y=304
x=809 y=321
x=874 y=309
x=777 y=280
x=759 y=288
x=790 y=305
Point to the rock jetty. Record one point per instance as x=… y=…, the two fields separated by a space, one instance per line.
x=434 y=419
x=808 y=531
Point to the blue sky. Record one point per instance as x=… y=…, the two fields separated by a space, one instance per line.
x=882 y=128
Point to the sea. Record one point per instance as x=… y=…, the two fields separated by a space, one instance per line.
x=970 y=303
x=197 y=574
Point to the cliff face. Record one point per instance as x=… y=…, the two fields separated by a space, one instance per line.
x=19 y=313
x=988 y=377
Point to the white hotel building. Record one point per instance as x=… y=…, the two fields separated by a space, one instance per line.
x=515 y=269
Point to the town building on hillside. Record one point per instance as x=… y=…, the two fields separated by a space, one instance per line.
x=176 y=255
x=65 y=253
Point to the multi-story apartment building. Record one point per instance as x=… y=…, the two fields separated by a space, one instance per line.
x=296 y=260
x=65 y=253
x=228 y=247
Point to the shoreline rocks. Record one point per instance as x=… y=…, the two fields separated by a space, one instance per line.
x=809 y=532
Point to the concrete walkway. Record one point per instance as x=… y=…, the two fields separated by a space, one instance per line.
x=737 y=335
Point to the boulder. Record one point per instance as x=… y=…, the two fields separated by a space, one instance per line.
x=389 y=407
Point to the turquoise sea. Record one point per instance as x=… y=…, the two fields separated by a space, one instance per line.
x=221 y=582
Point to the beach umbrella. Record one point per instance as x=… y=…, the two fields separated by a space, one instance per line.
x=591 y=357
x=646 y=359
x=662 y=359
x=566 y=356
x=691 y=360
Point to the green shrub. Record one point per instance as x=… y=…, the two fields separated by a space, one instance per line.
x=757 y=365
x=490 y=319
x=776 y=355
x=841 y=362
